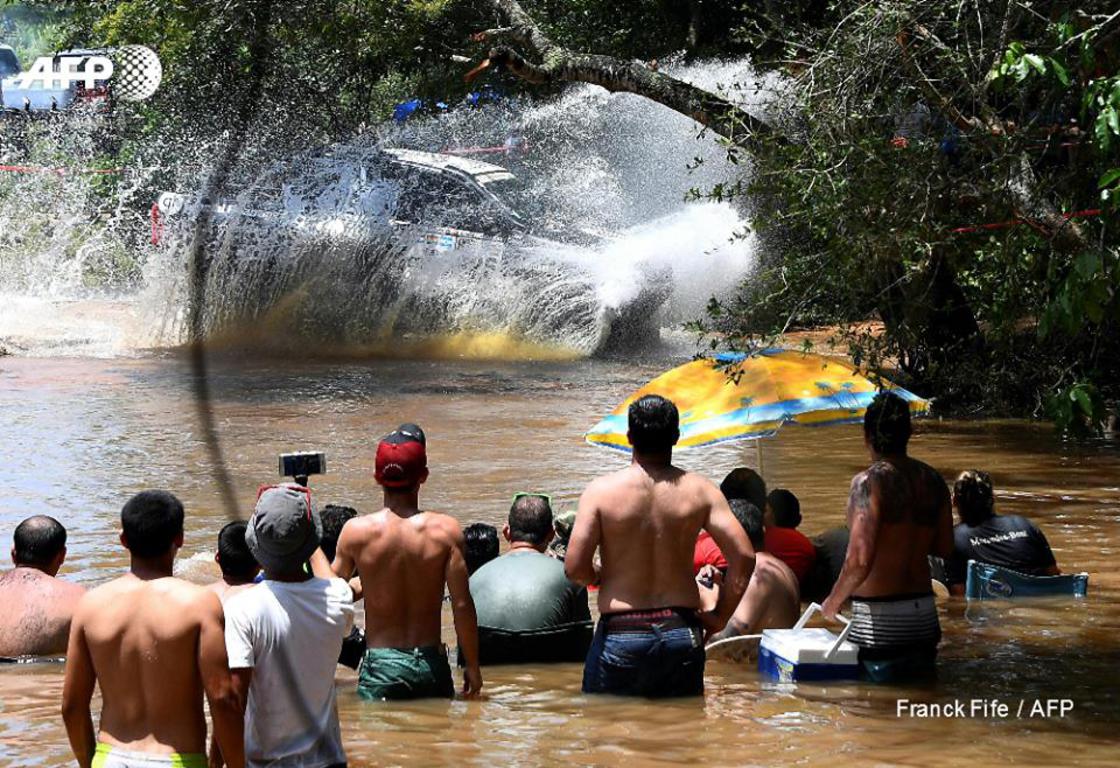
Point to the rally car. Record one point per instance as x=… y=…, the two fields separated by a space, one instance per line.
x=395 y=242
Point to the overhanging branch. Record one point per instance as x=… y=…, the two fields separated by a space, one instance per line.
x=557 y=64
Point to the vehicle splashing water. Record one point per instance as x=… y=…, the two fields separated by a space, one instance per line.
x=559 y=226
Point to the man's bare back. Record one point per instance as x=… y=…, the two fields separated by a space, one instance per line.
x=772 y=601
x=773 y=597
x=148 y=643
x=402 y=563
x=911 y=504
x=37 y=612
x=645 y=520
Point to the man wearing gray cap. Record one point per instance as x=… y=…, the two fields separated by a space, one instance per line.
x=283 y=637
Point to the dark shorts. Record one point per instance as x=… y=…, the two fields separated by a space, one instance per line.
x=562 y=643
x=394 y=674
x=897 y=637
x=655 y=653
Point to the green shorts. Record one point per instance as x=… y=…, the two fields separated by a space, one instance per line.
x=392 y=674
x=108 y=756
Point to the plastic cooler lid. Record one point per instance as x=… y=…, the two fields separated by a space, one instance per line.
x=808 y=646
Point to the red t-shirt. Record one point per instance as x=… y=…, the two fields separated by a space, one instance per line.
x=707 y=553
x=793 y=548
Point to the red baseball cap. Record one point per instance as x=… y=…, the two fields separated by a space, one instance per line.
x=400 y=463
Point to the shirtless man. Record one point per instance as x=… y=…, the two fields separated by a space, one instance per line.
x=155 y=644
x=644 y=521
x=899 y=514
x=405 y=557
x=239 y=568
x=772 y=599
x=37 y=606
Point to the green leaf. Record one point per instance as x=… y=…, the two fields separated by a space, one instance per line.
x=1036 y=62
x=1081 y=396
x=1060 y=72
x=1094 y=312
x=1044 y=324
x=1087 y=265
x=1108 y=178
x=1102 y=133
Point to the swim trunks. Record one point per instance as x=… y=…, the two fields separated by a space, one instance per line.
x=394 y=674
x=108 y=756
x=653 y=653
x=897 y=636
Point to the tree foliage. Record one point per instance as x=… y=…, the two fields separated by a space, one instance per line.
x=949 y=184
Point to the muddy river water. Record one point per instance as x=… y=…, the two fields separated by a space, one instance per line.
x=80 y=435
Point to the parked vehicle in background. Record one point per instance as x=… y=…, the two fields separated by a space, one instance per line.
x=9 y=62
x=37 y=95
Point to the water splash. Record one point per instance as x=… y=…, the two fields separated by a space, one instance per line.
x=603 y=182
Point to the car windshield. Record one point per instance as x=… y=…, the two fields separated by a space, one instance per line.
x=445 y=199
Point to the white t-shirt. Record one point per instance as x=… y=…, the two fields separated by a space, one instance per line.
x=290 y=634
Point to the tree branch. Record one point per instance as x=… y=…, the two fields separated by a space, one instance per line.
x=557 y=64
x=1039 y=212
x=525 y=29
x=930 y=91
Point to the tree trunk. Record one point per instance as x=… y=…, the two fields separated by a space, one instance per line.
x=931 y=320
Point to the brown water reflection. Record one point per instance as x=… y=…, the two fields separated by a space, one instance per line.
x=80 y=435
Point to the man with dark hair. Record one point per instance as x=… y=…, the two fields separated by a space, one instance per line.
x=783 y=541
x=744 y=483
x=480 y=544
x=239 y=567
x=405 y=558
x=772 y=600
x=284 y=635
x=782 y=509
x=1009 y=541
x=528 y=610
x=898 y=514
x=334 y=517
x=38 y=606
x=741 y=483
x=154 y=645
x=644 y=521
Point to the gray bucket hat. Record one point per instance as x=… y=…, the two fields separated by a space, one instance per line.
x=284 y=529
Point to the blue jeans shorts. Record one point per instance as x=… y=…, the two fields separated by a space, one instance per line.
x=655 y=653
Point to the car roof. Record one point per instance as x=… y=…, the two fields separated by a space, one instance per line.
x=483 y=173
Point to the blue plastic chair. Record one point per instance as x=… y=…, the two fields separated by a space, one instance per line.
x=991 y=582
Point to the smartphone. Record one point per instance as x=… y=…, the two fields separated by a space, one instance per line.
x=303 y=463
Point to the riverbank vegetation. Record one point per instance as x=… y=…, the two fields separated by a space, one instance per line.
x=948 y=168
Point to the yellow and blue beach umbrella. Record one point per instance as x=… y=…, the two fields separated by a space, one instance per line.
x=739 y=397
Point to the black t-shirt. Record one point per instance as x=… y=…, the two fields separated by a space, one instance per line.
x=1008 y=541
x=832 y=548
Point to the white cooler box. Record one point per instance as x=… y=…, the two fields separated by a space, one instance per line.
x=815 y=654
